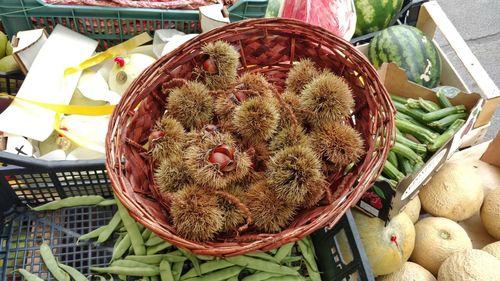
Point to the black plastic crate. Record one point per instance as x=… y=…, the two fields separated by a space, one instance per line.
x=34 y=182
x=338 y=263
x=22 y=233
x=408 y=15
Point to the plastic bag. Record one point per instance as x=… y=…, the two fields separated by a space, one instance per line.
x=337 y=16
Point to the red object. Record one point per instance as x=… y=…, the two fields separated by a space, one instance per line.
x=209 y=66
x=394 y=239
x=376 y=202
x=337 y=16
x=120 y=61
x=223 y=156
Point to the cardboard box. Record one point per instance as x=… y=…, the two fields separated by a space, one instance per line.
x=392 y=201
x=432 y=17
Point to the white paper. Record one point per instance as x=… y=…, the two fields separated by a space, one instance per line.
x=45 y=82
x=93 y=86
x=175 y=42
x=87 y=131
x=82 y=153
x=19 y=146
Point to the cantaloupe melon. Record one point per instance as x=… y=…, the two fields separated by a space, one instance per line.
x=493 y=249
x=490 y=213
x=412 y=209
x=470 y=265
x=455 y=192
x=435 y=240
x=409 y=272
x=387 y=247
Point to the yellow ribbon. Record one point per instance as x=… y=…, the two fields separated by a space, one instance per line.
x=110 y=53
x=70 y=136
x=68 y=109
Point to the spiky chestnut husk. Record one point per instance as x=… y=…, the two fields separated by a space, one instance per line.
x=300 y=75
x=270 y=214
x=338 y=143
x=220 y=72
x=169 y=141
x=289 y=136
x=191 y=105
x=196 y=214
x=225 y=104
x=293 y=102
x=327 y=98
x=172 y=175
x=233 y=216
x=256 y=82
x=214 y=161
x=314 y=194
x=293 y=171
x=256 y=119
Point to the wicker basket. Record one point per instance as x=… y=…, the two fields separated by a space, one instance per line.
x=268 y=46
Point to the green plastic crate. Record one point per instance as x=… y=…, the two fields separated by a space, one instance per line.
x=111 y=25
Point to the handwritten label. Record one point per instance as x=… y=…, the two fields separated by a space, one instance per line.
x=424 y=173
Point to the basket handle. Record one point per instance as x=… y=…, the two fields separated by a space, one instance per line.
x=432 y=10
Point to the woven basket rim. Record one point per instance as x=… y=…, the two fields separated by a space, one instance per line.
x=329 y=214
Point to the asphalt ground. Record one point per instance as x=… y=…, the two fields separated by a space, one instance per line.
x=478 y=22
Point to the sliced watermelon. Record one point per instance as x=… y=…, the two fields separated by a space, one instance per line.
x=375 y=15
x=411 y=50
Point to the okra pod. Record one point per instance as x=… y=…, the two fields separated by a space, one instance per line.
x=392 y=157
x=413 y=104
x=443 y=100
x=392 y=172
x=427 y=105
x=419 y=148
x=406 y=152
x=398 y=99
x=406 y=166
x=392 y=183
x=419 y=132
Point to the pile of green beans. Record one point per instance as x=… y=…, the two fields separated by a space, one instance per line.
x=139 y=254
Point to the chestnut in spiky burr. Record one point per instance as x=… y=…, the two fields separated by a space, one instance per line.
x=196 y=214
x=293 y=171
x=314 y=194
x=226 y=103
x=289 y=136
x=214 y=161
x=326 y=98
x=256 y=82
x=293 y=103
x=233 y=216
x=167 y=139
x=300 y=75
x=256 y=119
x=220 y=65
x=338 y=143
x=270 y=213
x=172 y=175
x=191 y=105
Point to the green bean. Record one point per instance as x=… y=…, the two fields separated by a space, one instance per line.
x=219 y=275
x=154 y=240
x=194 y=260
x=28 y=275
x=70 y=202
x=263 y=256
x=260 y=265
x=93 y=234
x=286 y=278
x=145 y=278
x=234 y=278
x=107 y=202
x=112 y=225
x=291 y=259
x=146 y=233
x=51 y=263
x=123 y=277
x=130 y=271
x=166 y=271
x=177 y=270
x=205 y=258
x=158 y=248
x=102 y=278
x=121 y=248
x=131 y=263
x=284 y=251
x=132 y=230
x=259 y=276
x=310 y=244
x=75 y=274
x=156 y=259
x=207 y=267
x=312 y=267
x=155 y=278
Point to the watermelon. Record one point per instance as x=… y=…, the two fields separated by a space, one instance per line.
x=407 y=47
x=375 y=15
